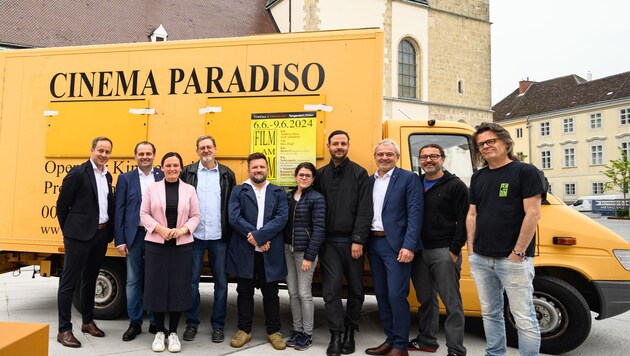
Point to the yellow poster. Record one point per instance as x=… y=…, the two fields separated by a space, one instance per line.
x=287 y=139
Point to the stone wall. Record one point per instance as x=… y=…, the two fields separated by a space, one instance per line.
x=459 y=60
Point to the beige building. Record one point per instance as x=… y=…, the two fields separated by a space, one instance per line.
x=437 y=52
x=436 y=57
x=570 y=128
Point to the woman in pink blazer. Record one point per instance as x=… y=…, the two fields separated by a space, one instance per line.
x=170 y=213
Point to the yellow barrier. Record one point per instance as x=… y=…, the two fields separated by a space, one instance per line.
x=23 y=339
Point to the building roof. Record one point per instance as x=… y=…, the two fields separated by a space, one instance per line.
x=270 y=3
x=43 y=23
x=561 y=93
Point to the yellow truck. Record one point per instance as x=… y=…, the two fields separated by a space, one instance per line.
x=279 y=94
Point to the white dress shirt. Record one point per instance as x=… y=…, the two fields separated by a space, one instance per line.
x=102 y=189
x=378 y=197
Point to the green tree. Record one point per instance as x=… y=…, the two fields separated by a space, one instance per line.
x=618 y=173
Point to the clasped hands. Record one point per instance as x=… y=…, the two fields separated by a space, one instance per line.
x=252 y=241
x=169 y=234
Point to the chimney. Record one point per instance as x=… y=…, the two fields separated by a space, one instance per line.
x=523 y=85
x=589 y=76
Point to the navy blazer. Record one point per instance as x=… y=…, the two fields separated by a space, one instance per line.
x=77 y=204
x=243 y=214
x=403 y=209
x=128 y=200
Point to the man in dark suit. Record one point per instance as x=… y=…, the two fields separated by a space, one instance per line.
x=85 y=209
x=258 y=211
x=395 y=237
x=130 y=233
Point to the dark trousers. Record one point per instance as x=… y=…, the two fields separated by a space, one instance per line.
x=82 y=263
x=336 y=262
x=391 y=286
x=245 y=299
x=435 y=272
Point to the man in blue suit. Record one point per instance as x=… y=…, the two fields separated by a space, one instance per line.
x=130 y=233
x=258 y=211
x=395 y=237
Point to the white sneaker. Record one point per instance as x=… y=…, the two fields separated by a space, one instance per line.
x=158 y=342
x=173 y=343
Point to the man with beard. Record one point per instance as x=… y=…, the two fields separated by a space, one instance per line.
x=437 y=268
x=214 y=183
x=258 y=211
x=130 y=232
x=349 y=213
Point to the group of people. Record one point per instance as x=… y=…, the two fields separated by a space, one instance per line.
x=165 y=220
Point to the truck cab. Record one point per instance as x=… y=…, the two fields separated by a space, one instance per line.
x=581 y=266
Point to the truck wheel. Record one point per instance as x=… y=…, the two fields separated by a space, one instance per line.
x=109 y=297
x=563 y=316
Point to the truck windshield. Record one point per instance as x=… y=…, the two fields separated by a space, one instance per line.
x=457 y=150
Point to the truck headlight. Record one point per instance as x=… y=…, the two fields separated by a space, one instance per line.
x=623 y=256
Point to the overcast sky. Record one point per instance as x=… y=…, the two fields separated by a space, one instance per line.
x=546 y=39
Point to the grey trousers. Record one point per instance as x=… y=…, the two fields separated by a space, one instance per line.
x=299 y=284
x=434 y=272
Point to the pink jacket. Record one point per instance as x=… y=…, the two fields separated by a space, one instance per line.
x=153 y=211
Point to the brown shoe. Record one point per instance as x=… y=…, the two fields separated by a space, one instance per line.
x=381 y=349
x=92 y=329
x=67 y=339
x=397 y=352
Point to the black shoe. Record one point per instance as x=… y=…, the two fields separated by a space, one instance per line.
x=130 y=334
x=217 y=335
x=347 y=346
x=334 y=347
x=190 y=333
x=153 y=329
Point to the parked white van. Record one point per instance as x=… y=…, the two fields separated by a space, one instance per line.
x=585 y=203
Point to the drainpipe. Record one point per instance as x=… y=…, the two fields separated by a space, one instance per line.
x=528 y=125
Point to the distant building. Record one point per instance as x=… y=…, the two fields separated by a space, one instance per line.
x=570 y=128
x=436 y=58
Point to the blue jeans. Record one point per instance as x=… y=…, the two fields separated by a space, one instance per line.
x=492 y=276
x=135 y=278
x=217 y=256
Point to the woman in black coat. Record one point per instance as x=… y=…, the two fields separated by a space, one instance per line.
x=303 y=235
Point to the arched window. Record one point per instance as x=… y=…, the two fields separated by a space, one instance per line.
x=407 y=70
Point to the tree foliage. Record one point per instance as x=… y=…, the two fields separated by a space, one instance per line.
x=618 y=174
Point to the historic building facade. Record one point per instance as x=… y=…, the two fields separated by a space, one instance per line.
x=436 y=57
x=570 y=128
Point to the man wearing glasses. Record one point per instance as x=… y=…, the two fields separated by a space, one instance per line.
x=505 y=199
x=436 y=269
x=214 y=183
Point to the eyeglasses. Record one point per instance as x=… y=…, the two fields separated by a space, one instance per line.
x=206 y=148
x=305 y=176
x=489 y=143
x=432 y=157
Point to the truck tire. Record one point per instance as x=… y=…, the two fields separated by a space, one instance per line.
x=109 y=298
x=563 y=316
